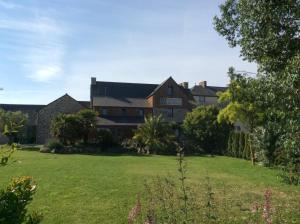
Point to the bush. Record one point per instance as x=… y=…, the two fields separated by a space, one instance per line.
x=55 y=145
x=67 y=128
x=104 y=138
x=14 y=201
x=154 y=136
x=203 y=130
x=238 y=145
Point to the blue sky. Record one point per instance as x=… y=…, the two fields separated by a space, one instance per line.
x=49 y=48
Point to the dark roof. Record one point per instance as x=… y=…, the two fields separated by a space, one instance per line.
x=85 y=103
x=121 y=89
x=218 y=88
x=21 y=107
x=120 y=102
x=158 y=86
x=119 y=121
x=199 y=90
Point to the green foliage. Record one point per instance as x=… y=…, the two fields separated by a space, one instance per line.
x=55 y=146
x=172 y=200
x=67 y=128
x=14 y=201
x=88 y=122
x=238 y=145
x=154 y=136
x=266 y=31
x=11 y=124
x=6 y=152
x=104 y=138
x=204 y=131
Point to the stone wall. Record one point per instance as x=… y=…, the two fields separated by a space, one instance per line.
x=64 y=104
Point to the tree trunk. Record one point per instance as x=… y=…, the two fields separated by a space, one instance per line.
x=252 y=153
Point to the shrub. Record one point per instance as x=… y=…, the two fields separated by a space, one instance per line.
x=202 y=128
x=55 y=146
x=14 y=201
x=154 y=136
x=67 y=128
x=104 y=138
x=12 y=124
x=88 y=123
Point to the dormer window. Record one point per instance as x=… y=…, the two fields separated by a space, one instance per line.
x=170 y=91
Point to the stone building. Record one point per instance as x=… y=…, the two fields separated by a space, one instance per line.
x=40 y=116
x=65 y=104
x=121 y=106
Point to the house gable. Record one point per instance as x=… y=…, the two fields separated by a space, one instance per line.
x=65 y=104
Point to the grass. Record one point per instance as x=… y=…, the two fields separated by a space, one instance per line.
x=102 y=189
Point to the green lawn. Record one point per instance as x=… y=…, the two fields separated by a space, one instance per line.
x=102 y=189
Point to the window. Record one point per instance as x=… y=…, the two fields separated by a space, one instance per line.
x=141 y=112
x=170 y=91
x=200 y=99
x=124 y=112
x=170 y=112
x=104 y=111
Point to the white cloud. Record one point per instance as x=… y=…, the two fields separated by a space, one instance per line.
x=46 y=73
x=41 y=41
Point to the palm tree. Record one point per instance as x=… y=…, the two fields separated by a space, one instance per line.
x=154 y=135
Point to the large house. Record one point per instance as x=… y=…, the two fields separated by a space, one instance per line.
x=121 y=106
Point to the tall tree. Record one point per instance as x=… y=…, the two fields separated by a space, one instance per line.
x=241 y=104
x=267 y=31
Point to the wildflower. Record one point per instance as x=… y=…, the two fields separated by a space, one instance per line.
x=255 y=207
x=267 y=208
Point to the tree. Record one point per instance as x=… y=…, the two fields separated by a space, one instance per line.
x=266 y=31
x=202 y=128
x=88 y=122
x=154 y=135
x=67 y=128
x=11 y=124
x=241 y=104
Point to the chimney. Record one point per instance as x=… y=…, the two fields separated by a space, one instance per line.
x=93 y=81
x=184 y=85
x=203 y=84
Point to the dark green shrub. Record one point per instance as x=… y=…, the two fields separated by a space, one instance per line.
x=55 y=146
x=154 y=136
x=238 y=145
x=105 y=138
x=67 y=128
x=202 y=129
x=14 y=200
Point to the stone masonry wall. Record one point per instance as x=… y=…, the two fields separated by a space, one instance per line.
x=64 y=104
